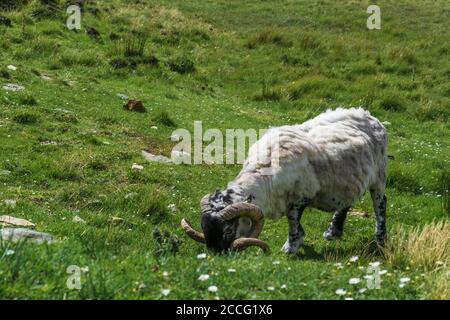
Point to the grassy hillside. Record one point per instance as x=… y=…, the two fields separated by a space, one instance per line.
x=67 y=145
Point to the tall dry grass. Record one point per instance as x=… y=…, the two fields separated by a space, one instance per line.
x=426 y=248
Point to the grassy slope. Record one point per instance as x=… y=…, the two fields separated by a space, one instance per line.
x=308 y=56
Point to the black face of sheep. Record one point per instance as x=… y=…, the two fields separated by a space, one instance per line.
x=220 y=227
x=219 y=233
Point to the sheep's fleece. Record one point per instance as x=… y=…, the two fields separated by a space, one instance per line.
x=330 y=160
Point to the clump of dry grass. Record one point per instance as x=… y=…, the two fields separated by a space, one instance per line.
x=420 y=247
x=437 y=284
x=427 y=248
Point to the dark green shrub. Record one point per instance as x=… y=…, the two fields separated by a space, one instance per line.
x=181 y=65
x=163 y=118
x=28 y=99
x=166 y=243
x=392 y=103
x=26 y=118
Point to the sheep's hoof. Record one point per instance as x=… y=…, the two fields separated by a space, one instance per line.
x=291 y=248
x=331 y=235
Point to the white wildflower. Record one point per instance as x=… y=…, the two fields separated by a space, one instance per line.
x=354 y=281
x=165 y=292
x=405 y=280
x=231 y=270
x=201 y=256
x=203 y=277
x=362 y=290
x=10 y=203
x=212 y=289
x=341 y=292
x=354 y=259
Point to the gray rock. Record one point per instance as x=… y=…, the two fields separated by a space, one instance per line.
x=13 y=87
x=78 y=219
x=123 y=97
x=23 y=234
x=13 y=221
x=155 y=158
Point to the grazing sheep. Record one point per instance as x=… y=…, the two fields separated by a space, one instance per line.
x=327 y=163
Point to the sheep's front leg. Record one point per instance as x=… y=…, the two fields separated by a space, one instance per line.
x=336 y=227
x=296 y=231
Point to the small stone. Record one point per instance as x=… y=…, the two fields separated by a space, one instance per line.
x=134 y=105
x=12 y=68
x=12 y=221
x=78 y=219
x=19 y=234
x=49 y=143
x=137 y=167
x=155 y=158
x=63 y=110
x=13 y=87
x=123 y=97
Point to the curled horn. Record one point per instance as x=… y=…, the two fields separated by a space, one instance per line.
x=249 y=210
x=191 y=232
x=253 y=212
x=243 y=243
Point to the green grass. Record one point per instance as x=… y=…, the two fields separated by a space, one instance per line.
x=232 y=66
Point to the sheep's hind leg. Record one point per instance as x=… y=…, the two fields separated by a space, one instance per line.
x=296 y=231
x=379 y=204
x=336 y=227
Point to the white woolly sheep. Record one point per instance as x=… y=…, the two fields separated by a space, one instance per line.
x=327 y=163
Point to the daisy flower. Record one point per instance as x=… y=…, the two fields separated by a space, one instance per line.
x=354 y=281
x=203 y=277
x=341 y=292
x=201 y=256
x=212 y=289
x=165 y=292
